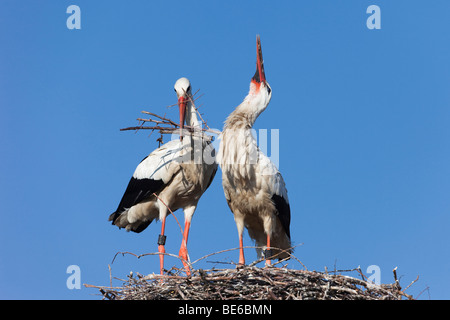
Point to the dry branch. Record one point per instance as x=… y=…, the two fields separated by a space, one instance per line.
x=167 y=126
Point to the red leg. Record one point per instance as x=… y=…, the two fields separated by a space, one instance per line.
x=183 y=250
x=241 y=251
x=161 y=249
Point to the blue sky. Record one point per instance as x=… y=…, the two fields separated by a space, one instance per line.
x=363 y=117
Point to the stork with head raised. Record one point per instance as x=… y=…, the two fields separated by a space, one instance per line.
x=254 y=188
x=169 y=177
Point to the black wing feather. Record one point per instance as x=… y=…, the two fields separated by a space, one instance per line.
x=138 y=190
x=284 y=212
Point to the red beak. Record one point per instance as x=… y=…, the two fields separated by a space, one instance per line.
x=182 y=106
x=260 y=75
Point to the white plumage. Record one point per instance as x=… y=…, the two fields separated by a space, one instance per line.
x=253 y=186
x=172 y=176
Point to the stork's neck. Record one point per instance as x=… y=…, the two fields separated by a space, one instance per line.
x=191 y=115
x=245 y=115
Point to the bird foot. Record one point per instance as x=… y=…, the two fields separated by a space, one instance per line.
x=240 y=266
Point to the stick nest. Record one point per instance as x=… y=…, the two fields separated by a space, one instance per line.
x=252 y=283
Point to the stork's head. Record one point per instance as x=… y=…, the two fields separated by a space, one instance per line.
x=260 y=91
x=183 y=89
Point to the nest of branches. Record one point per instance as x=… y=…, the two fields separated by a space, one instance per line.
x=253 y=283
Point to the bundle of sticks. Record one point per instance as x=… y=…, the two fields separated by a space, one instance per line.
x=166 y=126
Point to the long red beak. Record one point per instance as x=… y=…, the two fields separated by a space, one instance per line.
x=182 y=107
x=260 y=75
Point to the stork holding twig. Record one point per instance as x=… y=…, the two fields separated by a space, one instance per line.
x=173 y=176
x=167 y=126
x=253 y=186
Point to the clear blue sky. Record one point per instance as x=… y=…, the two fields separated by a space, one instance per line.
x=364 y=120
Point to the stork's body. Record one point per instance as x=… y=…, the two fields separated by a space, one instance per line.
x=253 y=186
x=170 y=177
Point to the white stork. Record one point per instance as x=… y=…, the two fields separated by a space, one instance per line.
x=253 y=186
x=170 y=177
